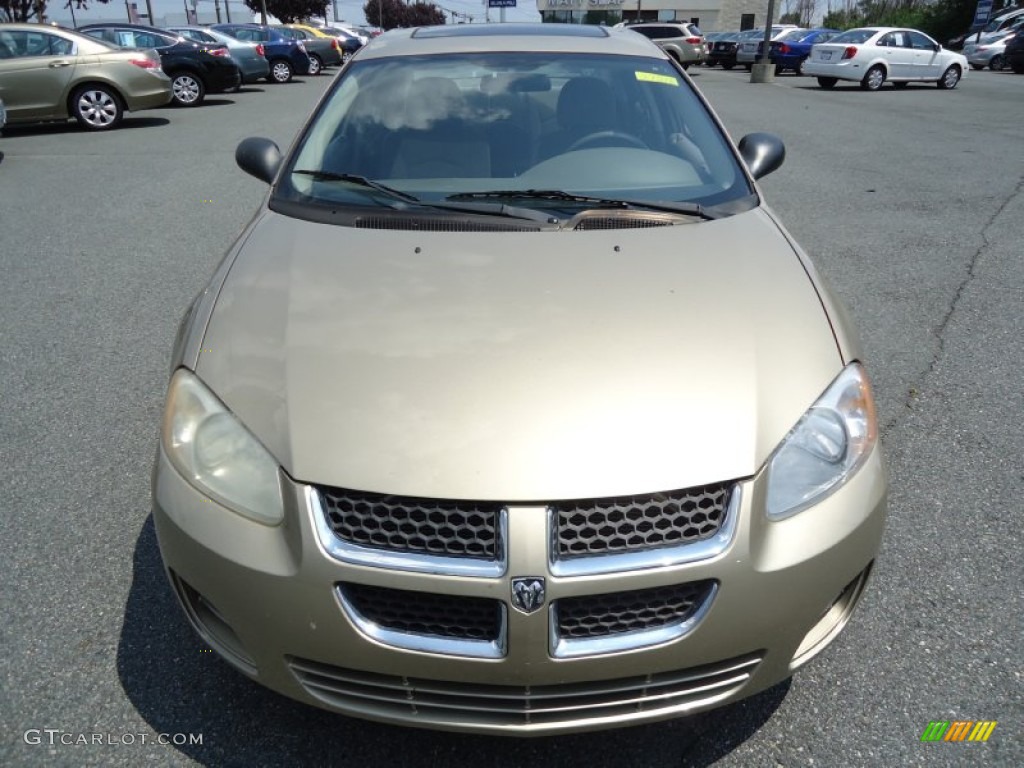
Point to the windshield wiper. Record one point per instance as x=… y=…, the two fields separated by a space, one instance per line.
x=360 y=181
x=555 y=195
x=485 y=209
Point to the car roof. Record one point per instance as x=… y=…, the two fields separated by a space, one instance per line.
x=123 y=25
x=516 y=37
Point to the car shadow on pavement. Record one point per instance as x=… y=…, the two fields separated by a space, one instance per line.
x=70 y=126
x=207 y=102
x=179 y=686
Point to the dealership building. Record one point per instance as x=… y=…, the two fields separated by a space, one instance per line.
x=709 y=15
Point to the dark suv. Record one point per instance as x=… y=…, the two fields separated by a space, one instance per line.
x=286 y=56
x=195 y=69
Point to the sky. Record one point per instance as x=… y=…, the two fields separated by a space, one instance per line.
x=350 y=11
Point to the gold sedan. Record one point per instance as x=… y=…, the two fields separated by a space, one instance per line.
x=49 y=73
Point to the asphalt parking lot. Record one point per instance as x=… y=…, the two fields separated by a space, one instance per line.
x=911 y=202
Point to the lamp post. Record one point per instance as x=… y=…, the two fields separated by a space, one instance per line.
x=763 y=71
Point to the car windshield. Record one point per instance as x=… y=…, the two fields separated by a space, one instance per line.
x=855 y=36
x=462 y=126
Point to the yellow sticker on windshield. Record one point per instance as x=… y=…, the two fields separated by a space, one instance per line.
x=650 y=77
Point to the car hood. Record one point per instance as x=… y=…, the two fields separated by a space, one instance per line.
x=519 y=366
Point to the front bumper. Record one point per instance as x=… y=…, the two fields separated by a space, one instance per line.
x=268 y=600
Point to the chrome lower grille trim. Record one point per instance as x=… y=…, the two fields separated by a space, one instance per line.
x=482 y=706
x=688 y=607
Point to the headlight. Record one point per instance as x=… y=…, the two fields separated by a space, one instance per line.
x=825 y=448
x=214 y=452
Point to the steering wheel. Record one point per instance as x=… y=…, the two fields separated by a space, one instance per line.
x=599 y=137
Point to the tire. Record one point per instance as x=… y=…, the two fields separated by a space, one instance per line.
x=976 y=67
x=873 y=78
x=997 y=63
x=316 y=66
x=1018 y=69
x=828 y=82
x=96 y=107
x=748 y=67
x=280 y=71
x=727 y=65
x=949 y=78
x=798 y=70
x=187 y=90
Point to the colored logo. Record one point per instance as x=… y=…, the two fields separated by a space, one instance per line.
x=959 y=730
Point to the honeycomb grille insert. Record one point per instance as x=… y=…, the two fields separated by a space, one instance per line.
x=637 y=523
x=426 y=613
x=636 y=611
x=424 y=526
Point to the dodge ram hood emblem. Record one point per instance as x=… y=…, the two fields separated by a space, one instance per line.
x=527 y=593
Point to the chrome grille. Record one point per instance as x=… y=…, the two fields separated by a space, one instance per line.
x=481 y=706
x=635 y=611
x=427 y=526
x=426 y=613
x=633 y=523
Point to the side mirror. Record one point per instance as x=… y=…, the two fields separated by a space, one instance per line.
x=936 y=47
x=259 y=157
x=762 y=152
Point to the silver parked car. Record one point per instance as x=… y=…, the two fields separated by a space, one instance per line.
x=752 y=45
x=514 y=409
x=989 y=50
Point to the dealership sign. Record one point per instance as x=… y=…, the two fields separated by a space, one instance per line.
x=582 y=3
x=981 y=14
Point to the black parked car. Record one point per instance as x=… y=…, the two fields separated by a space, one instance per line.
x=1013 y=54
x=723 y=50
x=195 y=69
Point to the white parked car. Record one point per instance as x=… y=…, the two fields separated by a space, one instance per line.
x=873 y=55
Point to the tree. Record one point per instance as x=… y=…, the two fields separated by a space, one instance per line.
x=289 y=11
x=390 y=14
x=26 y=10
x=942 y=19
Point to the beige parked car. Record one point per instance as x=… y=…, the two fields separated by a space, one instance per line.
x=684 y=42
x=514 y=409
x=50 y=73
